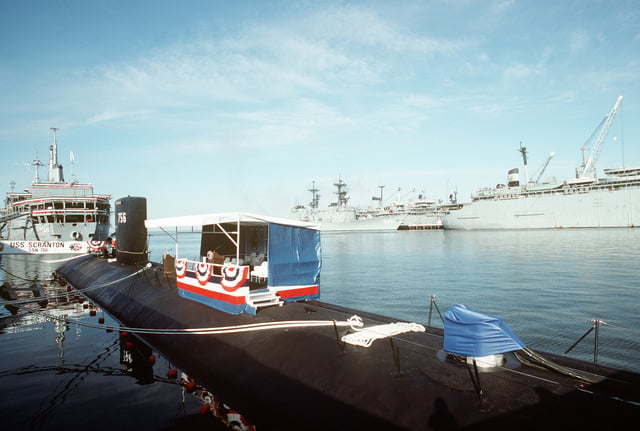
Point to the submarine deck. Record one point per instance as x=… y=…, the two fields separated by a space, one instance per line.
x=306 y=378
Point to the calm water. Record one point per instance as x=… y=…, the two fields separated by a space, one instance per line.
x=547 y=286
x=56 y=375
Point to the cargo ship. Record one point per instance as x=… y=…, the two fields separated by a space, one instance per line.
x=54 y=216
x=582 y=202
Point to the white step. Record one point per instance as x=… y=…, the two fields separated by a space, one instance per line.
x=264 y=299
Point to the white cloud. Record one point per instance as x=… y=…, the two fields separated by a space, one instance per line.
x=110 y=115
x=359 y=26
x=502 y=6
x=578 y=41
x=521 y=71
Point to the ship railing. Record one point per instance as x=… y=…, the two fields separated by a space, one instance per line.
x=434 y=305
x=596 y=326
x=192 y=265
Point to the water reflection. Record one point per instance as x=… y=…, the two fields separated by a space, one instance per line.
x=61 y=365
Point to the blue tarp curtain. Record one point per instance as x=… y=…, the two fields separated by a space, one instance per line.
x=468 y=332
x=294 y=256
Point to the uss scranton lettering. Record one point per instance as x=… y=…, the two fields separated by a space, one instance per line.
x=45 y=244
x=44 y=247
x=31 y=245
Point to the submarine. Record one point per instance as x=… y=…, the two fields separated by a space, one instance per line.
x=244 y=319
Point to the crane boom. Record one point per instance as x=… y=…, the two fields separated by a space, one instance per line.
x=589 y=166
x=544 y=167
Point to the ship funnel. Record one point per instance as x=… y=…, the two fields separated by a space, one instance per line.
x=513 y=178
x=131 y=233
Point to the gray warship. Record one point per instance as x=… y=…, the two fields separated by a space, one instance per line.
x=54 y=216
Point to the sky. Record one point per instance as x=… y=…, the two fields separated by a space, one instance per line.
x=216 y=106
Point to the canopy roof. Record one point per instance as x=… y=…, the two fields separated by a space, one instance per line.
x=233 y=217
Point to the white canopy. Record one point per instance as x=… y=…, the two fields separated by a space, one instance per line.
x=234 y=217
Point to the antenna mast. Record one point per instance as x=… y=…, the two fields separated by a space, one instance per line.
x=315 y=197
x=55 y=169
x=72 y=158
x=342 y=193
x=376 y=198
x=523 y=151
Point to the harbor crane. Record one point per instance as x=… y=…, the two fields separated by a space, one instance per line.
x=588 y=168
x=543 y=167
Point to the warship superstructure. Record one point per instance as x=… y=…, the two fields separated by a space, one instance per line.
x=417 y=213
x=54 y=216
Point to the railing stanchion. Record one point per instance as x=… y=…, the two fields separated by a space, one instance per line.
x=596 y=341
x=431 y=308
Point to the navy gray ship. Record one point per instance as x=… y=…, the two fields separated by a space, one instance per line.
x=582 y=202
x=54 y=216
x=399 y=214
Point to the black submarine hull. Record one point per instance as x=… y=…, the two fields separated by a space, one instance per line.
x=306 y=378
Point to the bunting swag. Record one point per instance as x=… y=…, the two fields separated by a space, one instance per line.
x=97 y=245
x=181 y=268
x=203 y=272
x=233 y=277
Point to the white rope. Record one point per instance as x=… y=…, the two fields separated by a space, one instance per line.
x=367 y=336
x=354 y=322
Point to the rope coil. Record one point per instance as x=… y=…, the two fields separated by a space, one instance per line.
x=366 y=336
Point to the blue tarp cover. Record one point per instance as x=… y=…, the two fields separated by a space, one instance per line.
x=294 y=256
x=468 y=332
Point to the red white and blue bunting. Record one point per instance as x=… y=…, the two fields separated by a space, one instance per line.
x=96 y=245
x=233 y=277
x=204 y=271
x=181 y=268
